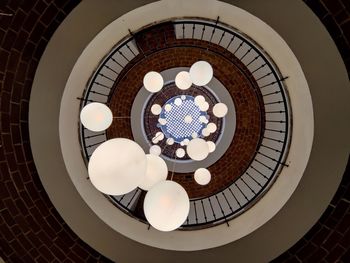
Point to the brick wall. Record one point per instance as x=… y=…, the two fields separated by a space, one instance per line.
x=329 y=239
x=31 y=229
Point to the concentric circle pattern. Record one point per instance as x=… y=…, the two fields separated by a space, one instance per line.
x=28 y=213
x=257 y=152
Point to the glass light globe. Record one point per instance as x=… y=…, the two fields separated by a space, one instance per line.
x=194 y=135
x=220 y=110
x=153 y=81
x=166 y=206
x=96 y=117
x=117 y=166
x=183 y=80
x=202 y=176
x=178 y=101
x=170 y=141
x=203 y=119
x=198 y=100
x=188 y=119
x=168 y=107
x=156 y=109
x=211 y=127
x=212 y=146
x=201 y=73
x=205 y=132
x=159 y=136
x=156 y=172
x=203 y=106
x=162 y=121
x=197 y=149
x=155 y=140
x=180 y=153
x=155 y=150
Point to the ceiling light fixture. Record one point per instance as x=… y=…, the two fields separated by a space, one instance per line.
x=96 y=117
x=119 y=165
x=153 y=81
x=166 y=206
x=201 y=73
x=202 y=176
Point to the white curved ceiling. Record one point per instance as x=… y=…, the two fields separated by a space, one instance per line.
x=327 y=157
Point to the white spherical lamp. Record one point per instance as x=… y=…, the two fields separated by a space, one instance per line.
x=212 y=146
x=162 y=121
x=180 y=153
x=201 y=73
x=178 y=102
x=117 y=166
x=202 y=176
x=205 y=132
x=183 y=80
x=166 y=206
x=197 y=149
x=203 y=119
x=199 y=100
x=168 y=107
x=153 y=81
x=96 y=117
x=156 y=109
x=156 y=172
x=188 y=119
x=170 y=141
x=203 y=106
x=155 y=150
x=220 y=110
x=211 y=127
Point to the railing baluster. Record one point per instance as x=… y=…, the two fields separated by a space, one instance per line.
x=228 y=45
x=254 y=179
x=195 y=211
x=271 y=93
x=102 y=85
x=96 y=135
x=266 y=75
x=239 y=189
x=228 y=203
x=115 y=61
x=130 y=50
x=259 y=172
x=239 y=204
x=211 y=206
x=240 y=45
x=252 y=61
x=268 y=147
x=203 y=32
x=223 y=34
x=262 y=66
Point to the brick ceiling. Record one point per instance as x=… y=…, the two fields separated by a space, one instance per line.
x=31 y=230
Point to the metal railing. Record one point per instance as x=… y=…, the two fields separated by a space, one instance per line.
x=271 y=153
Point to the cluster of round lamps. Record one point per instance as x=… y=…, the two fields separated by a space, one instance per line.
x=119 y=165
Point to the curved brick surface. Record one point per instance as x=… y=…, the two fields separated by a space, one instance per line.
x=239 y=85
x=30 y=228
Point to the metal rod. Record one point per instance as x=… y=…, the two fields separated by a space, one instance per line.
x=137 y=44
